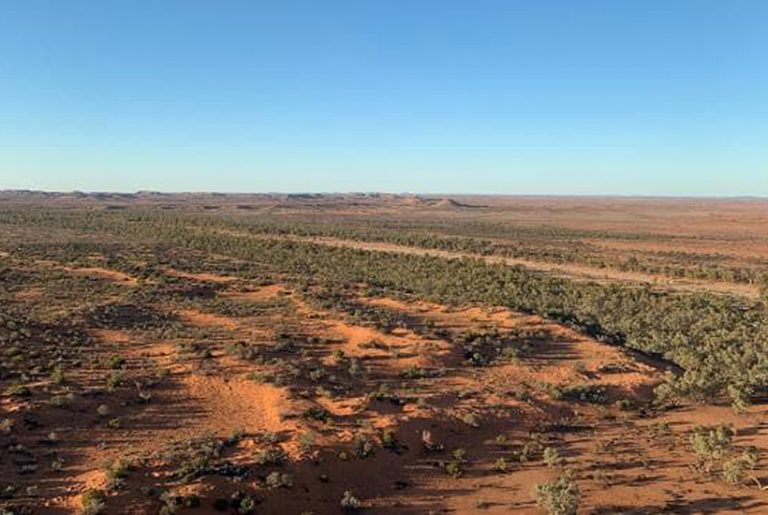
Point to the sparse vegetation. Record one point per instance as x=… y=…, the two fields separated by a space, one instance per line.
x=710 y=444
x=559 y=497
x=350 y=502
x=92 y=502
x=125 y=329
x=552 y=457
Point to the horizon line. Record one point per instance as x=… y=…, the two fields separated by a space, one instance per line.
x=375 y=192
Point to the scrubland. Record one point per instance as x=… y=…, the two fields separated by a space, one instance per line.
x=382 y=354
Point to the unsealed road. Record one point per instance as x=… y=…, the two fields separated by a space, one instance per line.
x=571 y=271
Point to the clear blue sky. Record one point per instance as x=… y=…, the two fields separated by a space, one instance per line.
x=506 y=96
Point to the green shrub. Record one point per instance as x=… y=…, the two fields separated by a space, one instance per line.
x=471 y=420
x=710 y=444
x=317 y=413
x=592 y=393
x=363 y=446
x=116 y=471
x=501 y=465
x=274 y=456
x=6 y=426
x=736 y=469
x=306 y=441
x=350 y=502
x=275 y=480
x=93 y=502
x=58 y=376
x=62 y=401
x=551 y=457
x=115 y=362
x=560 y=497
x=389 y=441
x=458 y=463
x=18 y=390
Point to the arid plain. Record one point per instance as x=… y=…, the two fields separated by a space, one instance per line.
x=382 y=353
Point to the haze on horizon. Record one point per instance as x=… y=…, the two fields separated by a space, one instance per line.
x=527 y=97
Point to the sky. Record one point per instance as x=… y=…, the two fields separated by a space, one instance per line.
x=631 y=97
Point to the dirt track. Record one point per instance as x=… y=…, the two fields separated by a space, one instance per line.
x=572 y=271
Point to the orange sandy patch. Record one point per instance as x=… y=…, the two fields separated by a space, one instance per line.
x=555 y=364
x=402 y=340
x=354 y=335
x=199 y=318
x=233 y=404
x=111 y=335
x=29 y=294
x=263 y=293
x=113 y=275
x=205 y=277
x=390 y=303
x=161 y=349
x=342 y=407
